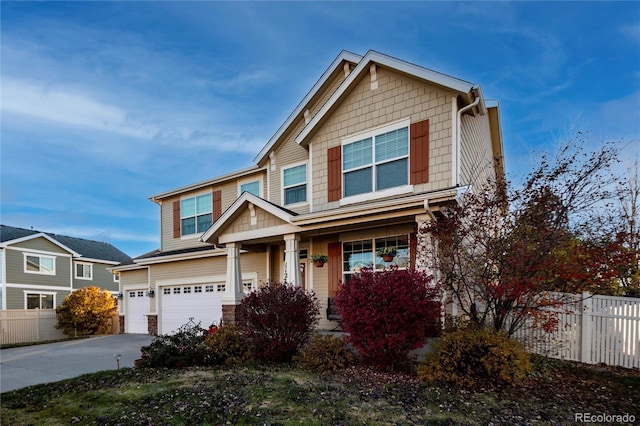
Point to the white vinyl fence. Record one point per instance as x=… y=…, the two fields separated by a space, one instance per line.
x=28 y=325
x=592 y=329
x=34 y=325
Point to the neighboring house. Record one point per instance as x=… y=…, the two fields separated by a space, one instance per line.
x=38 y=270
x=366 y=160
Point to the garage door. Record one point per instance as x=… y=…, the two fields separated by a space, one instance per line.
x=178 y=304
x=137 y=309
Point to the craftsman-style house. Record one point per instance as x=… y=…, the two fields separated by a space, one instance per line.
x=371 y=154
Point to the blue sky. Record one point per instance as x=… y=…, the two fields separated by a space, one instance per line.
x=106 y=103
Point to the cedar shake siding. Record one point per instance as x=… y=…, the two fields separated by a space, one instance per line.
x=397 y=97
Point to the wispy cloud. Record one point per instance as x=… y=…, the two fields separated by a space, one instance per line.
x=67 y=107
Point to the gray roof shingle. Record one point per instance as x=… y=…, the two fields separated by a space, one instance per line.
x=87 y=248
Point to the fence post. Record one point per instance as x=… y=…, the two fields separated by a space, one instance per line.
x=38 y=324
x=585 y=328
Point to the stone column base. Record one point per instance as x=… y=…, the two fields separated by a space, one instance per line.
x=231 y=315
x=152 y=325
x=121 y=322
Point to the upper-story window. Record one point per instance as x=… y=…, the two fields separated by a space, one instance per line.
x=195 y=214
x=250 y=186
x=84 y=271
x=294 y=181
x=39 y=264
x=376 y=161
x=116 y=277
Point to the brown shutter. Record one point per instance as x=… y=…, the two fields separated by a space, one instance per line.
x=335 y=266
x=334 y=164
x=419 y=162
x=176 y=219
x=217 y=205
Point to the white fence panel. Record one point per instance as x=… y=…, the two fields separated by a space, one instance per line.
x=28 y=325
x=592 y=329
x=36 y=325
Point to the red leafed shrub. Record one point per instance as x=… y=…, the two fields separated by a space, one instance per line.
x=278 y=319
x=387 y=314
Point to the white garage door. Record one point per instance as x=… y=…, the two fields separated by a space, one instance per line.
x=137 y=309
x=202 y=302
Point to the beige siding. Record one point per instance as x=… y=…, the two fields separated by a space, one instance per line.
x=476 y=158
x=229 y=192
x=396 y=97
x=318 y=280
x=138 y=279
x=210 y=266
x=263 y=220
x=288 y=152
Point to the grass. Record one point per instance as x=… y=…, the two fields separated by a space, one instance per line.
x=286 y=395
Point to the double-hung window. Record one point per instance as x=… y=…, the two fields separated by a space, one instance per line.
x=195 y=214
x=38 y=264
x=295 y=184
x=376 y=161
x=84 y=271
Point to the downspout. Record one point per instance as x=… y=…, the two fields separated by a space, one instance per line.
x=456 y=178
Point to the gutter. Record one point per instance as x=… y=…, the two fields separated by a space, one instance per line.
x=456 y=149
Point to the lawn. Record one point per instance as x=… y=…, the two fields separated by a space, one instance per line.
x=286 y=395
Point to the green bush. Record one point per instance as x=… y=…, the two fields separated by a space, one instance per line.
x=469 y=356
x=227 y=345
x=86 y=311
x=325 y=352
x=183 y=349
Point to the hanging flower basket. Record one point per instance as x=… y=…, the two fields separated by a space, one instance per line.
x=319 y=260
x=387 y=253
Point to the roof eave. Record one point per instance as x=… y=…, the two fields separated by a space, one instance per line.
x=446 y=81
x=344 y=55
x=205 y=183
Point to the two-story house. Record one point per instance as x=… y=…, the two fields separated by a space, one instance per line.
x=38 y=270
x=370 y=155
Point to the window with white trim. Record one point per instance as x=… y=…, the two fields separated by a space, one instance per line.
x=84 y=271
x=196 y=214
x=39 y=300
x=39 y=264
x=294 y=183
x=116 y=278
x=376 y=161
x=363 y=254
x=250 y=186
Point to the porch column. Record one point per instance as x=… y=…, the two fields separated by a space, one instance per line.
x=426 y=256
x=233 y=293
x=426 y=245
x=292 y=260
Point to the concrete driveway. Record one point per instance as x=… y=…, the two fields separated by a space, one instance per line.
x=30 y=365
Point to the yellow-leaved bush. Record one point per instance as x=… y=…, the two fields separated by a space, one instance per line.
x=470 y=356
x=86 y=311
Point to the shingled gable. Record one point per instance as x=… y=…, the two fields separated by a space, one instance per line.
x=250 y=201
x=467 y=90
